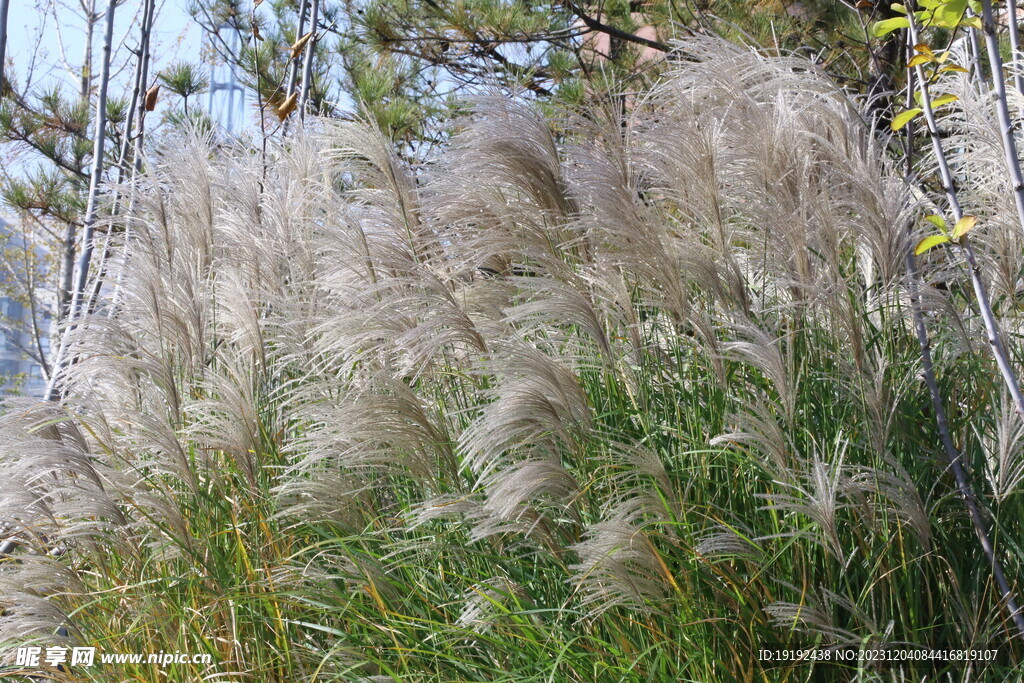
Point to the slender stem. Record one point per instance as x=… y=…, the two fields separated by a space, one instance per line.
x=1011 y=20
x=974 y=48
x=137 y=155
x=136 y=107
x=307 y=67
x=85 y=77
x=64 y=294
x=981 y=295
x=955 y=465
x=144 y=49
x=293 y=66
x=33 y=308
x=933 y=132
x=991 y=328
x=262 y=104
x=4 y=7
x=91 y=207
x=966 y=492
x=67 y=273
x=1002 y=108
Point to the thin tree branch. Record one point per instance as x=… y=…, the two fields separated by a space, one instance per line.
x=597 y=25
x=966 y=492
x=31 y=287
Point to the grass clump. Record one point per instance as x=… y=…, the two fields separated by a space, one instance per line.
x=629 y=405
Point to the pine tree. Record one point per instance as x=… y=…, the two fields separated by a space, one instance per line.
x=406 y=64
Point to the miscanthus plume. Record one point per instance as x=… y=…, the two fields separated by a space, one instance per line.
x=623 y=402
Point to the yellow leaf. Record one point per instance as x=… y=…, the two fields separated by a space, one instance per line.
x=944 y=99
x=929 y=242
x=287 y=107
x=954 y=67
x=924 y=49
x=300 y=44
x=903 y=119
x=918 y=60
x=963 y=226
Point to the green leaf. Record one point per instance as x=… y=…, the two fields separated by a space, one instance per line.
x=950 y=13
x=937 y=220
x=898 y=8
x=973 y=22
x=944 y=99
x=903 y=119
x=963 y=226
x=883 y=28
x=928 y=242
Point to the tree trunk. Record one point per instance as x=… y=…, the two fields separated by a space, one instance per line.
x=85 y=78
x=293 y=67
x=307 y=67
x=91 y=210
x=135 y=108
x=4 y=6
x=141 y=111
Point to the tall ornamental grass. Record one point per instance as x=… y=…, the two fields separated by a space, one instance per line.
x=603 y=398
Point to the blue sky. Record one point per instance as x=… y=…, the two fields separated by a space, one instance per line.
x=47 y=39
x=43 y=34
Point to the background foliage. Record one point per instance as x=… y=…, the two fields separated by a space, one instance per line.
x=622 y=377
